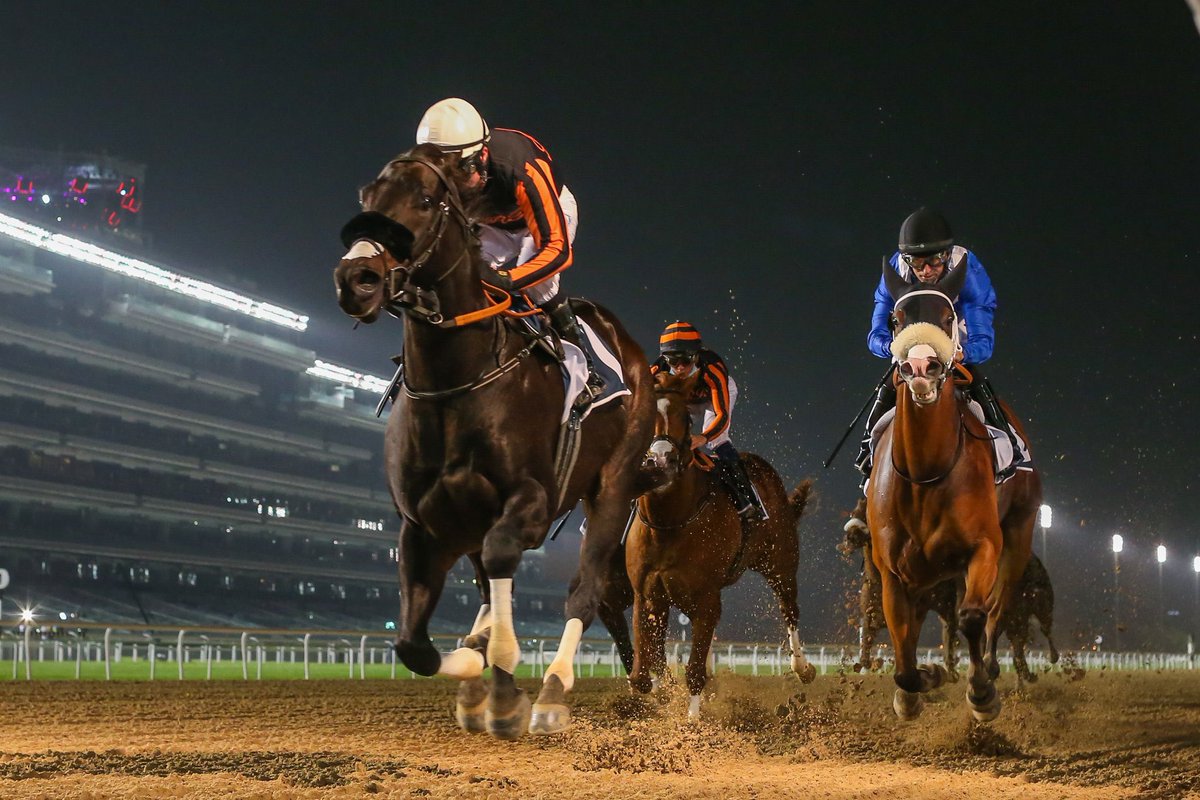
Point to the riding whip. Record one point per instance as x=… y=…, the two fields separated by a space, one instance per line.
x=858 y=416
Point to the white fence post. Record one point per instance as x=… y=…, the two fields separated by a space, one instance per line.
x=152 y=654
x=179 y=653
x=107 y=649
x=245 y=665
x=307 y=636
x=362 y=657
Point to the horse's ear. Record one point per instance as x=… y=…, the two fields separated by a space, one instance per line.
x=954 y=279
x=892 y=280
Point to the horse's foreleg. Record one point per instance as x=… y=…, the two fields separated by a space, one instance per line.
x=903 y=624
x=704 y=622
x=614 y=621
x=1018 y=637
x=518 y=528
x=972 y=621
x=423 y=567
x=650 y=614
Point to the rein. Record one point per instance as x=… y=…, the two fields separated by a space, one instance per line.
x=478 y=383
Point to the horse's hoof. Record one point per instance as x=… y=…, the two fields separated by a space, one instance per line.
x=805 y=670
x=478 y=641
x=694 y=708
x=952 y=676
x=907 y=705
x=551 y=714
x=549 y=718
x=510 y=723
x=937 y=675
x=470 y=706
x=987 y=708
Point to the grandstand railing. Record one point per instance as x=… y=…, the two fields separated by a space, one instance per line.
x=90 y=651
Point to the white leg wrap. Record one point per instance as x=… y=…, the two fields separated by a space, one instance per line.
x=563 y=664
x=797 y=647
x=694 y=707
x=503 y=650
x=482 y=619
x=463 y=663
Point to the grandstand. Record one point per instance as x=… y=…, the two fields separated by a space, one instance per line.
x=171 y=450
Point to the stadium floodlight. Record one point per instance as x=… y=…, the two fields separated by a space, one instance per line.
x=348 y=377
x=1162 y=554
x=140 y=270
x=1196 y=564
x=26 y=615
x=1118 y=543
x=1044 y=516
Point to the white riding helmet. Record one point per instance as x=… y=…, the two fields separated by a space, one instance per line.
x=454 y=126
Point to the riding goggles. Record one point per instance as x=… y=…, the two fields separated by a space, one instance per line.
x=679 y=359
x=935 y=260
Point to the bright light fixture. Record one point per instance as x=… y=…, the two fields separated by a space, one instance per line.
x=140 y=270
x=1044 y=516
x=1196 y=564
x=1118 y=543
x=348 y=377
x=1162 y=554
x=27 y=615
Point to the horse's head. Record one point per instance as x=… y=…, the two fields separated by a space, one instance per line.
x=671 y=448
x=924 y=330
x=393 y=243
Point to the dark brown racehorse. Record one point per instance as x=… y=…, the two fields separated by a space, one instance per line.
x=687 y=542
x=933 y=508
x=471 y=441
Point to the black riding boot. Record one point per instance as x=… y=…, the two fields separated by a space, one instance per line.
x=993 y=413
x=884 y=402
x=562 y=317
x=735 y=478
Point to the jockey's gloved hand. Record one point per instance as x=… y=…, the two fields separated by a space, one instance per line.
x=500 y=277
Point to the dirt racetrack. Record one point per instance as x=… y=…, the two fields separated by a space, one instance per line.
x=1067 y=736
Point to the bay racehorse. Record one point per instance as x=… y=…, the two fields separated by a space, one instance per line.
x=470 y=448
x=933 y=508
x=687 y=542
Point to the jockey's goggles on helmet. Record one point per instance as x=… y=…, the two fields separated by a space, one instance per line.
x=679 y=359
x=928 y=259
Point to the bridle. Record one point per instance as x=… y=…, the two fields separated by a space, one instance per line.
x=402 y=293
x=903 y=369
x=685 y=459
x=423 y=304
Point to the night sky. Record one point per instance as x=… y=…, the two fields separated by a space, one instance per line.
x=742 y=169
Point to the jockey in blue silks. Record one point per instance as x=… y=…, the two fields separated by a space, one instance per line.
x=926 y=251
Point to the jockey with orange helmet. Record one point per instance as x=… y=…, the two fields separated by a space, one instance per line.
x=525 y=217
x=682 y=353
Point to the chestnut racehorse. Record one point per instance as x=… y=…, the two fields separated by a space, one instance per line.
x=933 y=508
x=470 y=446
x=687 y=542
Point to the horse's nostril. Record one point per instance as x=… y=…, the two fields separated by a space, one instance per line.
x=366 y=279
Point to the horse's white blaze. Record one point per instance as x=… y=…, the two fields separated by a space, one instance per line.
x=664 y=406
x=694 y=707
x=482 y=620
x=362 y=249
x=563 y=664
x=503 y=650
x=463 y=663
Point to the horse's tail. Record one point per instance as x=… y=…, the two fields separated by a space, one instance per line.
x=798 y=499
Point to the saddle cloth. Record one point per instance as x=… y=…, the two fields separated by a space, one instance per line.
x=1002 y=448
x=575 y=373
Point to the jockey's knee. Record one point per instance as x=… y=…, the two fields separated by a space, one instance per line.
x=727 y=452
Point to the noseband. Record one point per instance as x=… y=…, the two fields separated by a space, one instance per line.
x=422 y=304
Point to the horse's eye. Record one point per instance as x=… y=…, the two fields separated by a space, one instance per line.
x=426 y=202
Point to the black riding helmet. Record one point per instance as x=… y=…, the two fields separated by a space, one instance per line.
x=925 y=232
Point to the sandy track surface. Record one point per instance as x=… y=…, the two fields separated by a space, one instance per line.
x=1068 y=736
